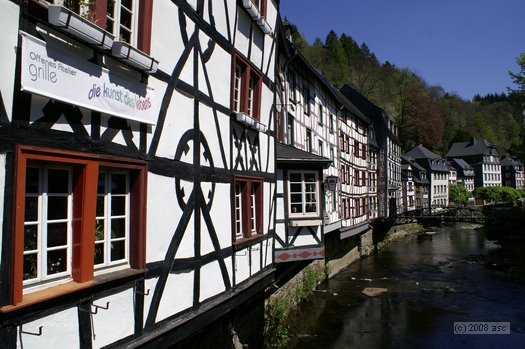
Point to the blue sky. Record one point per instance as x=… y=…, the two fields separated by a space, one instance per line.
x=465 y=46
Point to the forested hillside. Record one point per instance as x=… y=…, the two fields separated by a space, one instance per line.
x=425 y=113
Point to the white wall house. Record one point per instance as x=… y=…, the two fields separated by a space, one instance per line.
x=437 y=173
x=137 y=148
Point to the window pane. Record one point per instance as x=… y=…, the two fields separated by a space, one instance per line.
x=32 y=180
x=295 y=177
x=127 y=3
x=58 y=181
x=56 y=261
x=30 y=266
x=125 y=18
x=312 y=207
x=309 y=177
x=237 y=89
x=117 y=250
x=56 y=234
x=30 y=237
x=297 y=208
x=296 y=198
x=125 y=35
x=118 y=228
x=310 y=187
x=99 y=230
x=99 y=253
x=118 y=205
x=109 y=24
x=31 y=209
x=101 y=189
x=57 y=208
x=118 y=183
x=295 y=187
x=100 y=206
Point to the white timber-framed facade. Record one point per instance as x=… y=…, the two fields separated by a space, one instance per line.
x=161 y=133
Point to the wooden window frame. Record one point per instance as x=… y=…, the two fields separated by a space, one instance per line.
x=304 y=214
x=308 y=140
x=248 y=71
x=85 y=179
x=248 y=231
x=142 y=21
x=261 y=6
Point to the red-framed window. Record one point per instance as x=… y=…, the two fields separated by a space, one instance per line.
x=247 y=207
x=70 y=208
x=261 y=6
x=128 y=20
x=246 y=88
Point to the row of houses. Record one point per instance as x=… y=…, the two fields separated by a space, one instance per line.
x=471 y=165
x=162 y=163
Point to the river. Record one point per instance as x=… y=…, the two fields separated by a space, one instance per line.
x=455 y=275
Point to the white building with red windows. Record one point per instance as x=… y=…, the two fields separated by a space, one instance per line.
x=137 y=168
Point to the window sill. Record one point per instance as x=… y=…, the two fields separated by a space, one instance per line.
x=69 y=288
x=244 y=242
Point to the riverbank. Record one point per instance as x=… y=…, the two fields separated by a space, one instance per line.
x=282 y=305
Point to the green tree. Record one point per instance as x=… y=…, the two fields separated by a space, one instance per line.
x=458 y=194
x=519 y=78
x=337 y=67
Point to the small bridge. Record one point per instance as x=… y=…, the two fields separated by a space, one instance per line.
x=440 y=215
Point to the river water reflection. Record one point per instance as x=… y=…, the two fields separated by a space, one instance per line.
x=432 y=282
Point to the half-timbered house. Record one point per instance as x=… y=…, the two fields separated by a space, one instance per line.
x=306 y=154
x=389 y=155
x=137 y=168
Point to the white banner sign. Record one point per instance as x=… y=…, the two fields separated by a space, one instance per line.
x=52 y=72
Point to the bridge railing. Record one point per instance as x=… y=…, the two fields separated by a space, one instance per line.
x=452 y=214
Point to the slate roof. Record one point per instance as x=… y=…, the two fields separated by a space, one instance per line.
x=474 y=147
x=506 y=161
x=368 y=108
x=416 y=169
x=462 y=164
x=291 y=155
x=420 y=152
x=427 y=159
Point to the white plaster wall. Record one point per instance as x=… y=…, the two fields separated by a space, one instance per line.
x=221 y=215
x=266 y=107
x=179 y=119
x=219 y=74
x=177 y=296
x=162 y=216
x=242 y=36
x=211 y=281
x=280 y=231
x=37 y=105
x=305 y=238
x=117 y=321
x=209 y=128
x=60 y=330
x=268 y=252
x=219 y=15
x=242 y=265
x=257 y=47
x=9 y=14
x=256 y=252
x=269 y=206
x=167 y=46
